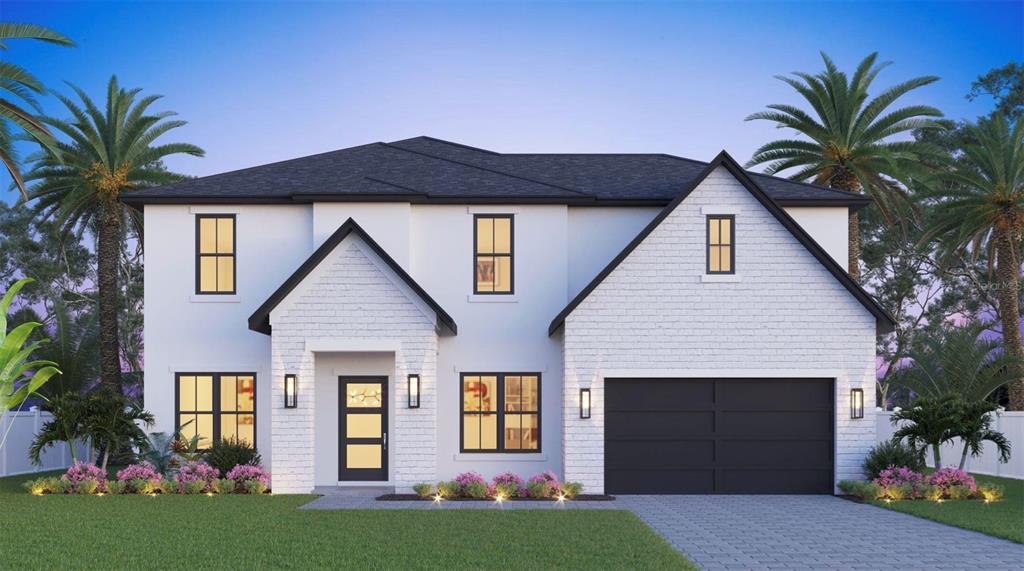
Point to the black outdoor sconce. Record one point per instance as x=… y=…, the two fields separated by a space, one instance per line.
x=414 y=391
x=856 y=403
x=291 y=397
x=584 y=403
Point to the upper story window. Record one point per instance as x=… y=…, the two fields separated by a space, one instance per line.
x=721 y=244
x=492 y=257
x=215 y=254
x=500 y=412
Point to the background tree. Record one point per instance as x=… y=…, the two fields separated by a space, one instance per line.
x=1006 y=86
x=19 y=88
x=109 y=152
x=974 y=427
x=979 y=208
x=849 y=142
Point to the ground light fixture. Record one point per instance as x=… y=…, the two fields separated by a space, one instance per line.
x=584 y=403
x=414 y=391
x=291 y=396
x=856 y=403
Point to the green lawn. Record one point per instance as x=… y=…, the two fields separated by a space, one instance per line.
x=1000 y=519
x=270 y=532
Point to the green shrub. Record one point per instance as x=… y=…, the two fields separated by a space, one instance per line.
x=255 y=487
x=423 y=490
x=448 y=489
x=164 y=487
x=899 y=492
x=475 y=490
x=224 y=486
x=87 y=487
x=572 y=489
x=537 y=490
x=116 y=487
x=195 y=487
x=887 y=454
x=863 y=490
x=991 y=492
x=226 y=454
x=931 y=493
x=41 y=486
x=849 y=487
x=959 y=492
x=505 y=490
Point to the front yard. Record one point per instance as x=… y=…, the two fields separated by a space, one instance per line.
x=240 y=531
x=1003 y=519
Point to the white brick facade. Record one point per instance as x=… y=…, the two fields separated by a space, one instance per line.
x=783 y=315
x=352 y=302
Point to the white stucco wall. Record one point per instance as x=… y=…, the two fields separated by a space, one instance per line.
x=655 y=316
x=829 y=226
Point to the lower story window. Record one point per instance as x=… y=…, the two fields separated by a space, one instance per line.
x=500 y=412
x=216 y=406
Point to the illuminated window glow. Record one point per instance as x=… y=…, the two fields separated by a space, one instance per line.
x=215 y=254
x=721 y=241
x=492 y=257
x=216 y=406
x=500 y=412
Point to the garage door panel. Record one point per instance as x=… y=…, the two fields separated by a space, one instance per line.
x=763 y=481
x=792 y=422
x=768 y=453
x=641 y=424
x=660 y=481
x=728 y=436
x=659 y=454
x=658 y=394
x=773 y=394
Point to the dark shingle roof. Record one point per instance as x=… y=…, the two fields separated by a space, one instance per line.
x=424 y=169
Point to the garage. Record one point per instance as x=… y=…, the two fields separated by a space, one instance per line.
x=719 y=436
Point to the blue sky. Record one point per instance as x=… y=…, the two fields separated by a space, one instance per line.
x=260 y=82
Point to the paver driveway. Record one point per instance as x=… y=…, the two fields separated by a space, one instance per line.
x=814 y=532
x=776 y=532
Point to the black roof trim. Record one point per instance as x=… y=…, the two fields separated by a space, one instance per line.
x=885 y=323
x=260 y=319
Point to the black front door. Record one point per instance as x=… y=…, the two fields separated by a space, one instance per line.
x=363 y=429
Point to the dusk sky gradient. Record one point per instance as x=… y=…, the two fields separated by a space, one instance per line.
x=261 y=82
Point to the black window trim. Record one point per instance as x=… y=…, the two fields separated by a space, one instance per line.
x=511 y=253
x=233 y=255
x=732 y=243
x=216 y=412
x=500 y=412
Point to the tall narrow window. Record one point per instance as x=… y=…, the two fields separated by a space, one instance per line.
x=500 y=412
x=721 y=244
x=215 y=254
x=216 y=406
x=492 y=257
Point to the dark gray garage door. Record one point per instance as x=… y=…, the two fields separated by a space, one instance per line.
x=719 y=436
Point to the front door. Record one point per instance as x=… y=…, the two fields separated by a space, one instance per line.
x=363 y=429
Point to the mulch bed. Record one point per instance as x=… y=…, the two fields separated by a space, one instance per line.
x=415 y=498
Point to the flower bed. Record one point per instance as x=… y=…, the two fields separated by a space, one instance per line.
x=471 y=486
x=143 y=479
x=902 y=484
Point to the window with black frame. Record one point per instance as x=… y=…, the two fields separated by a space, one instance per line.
x=500 y=412
x=721 y=254
x=216 y=406
x=493 y=267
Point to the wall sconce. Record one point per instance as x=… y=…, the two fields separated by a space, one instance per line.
x=584 y=403
x=414 y=391
x=291 y=397
x=856 y=403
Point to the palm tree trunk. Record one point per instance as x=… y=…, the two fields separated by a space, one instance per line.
x=847 y=181
x=963 y=457
x=108 y=253
x=936 y=456
x=1007 y=272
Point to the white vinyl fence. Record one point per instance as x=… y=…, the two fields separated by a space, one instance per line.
x=23 y=427
x=1011 y=424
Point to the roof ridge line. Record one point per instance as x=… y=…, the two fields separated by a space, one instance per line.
x=406 y=188
x=454 y=144
x=486 y=169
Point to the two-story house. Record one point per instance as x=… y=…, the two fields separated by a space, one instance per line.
x=402 y=312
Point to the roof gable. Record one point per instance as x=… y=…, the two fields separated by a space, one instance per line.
x=884 y=321
x=260 y=319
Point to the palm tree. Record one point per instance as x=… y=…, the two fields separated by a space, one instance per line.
x=974 y=427
x=112 y=423
x=980 y=209
x=930 y=424
x=955 y=361
x=849 y=142
x=74 y=343
x=110 y=152
x=16 y=83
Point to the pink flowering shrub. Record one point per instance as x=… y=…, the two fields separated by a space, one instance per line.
x=908 y=481
x=140 y=478
x=197 y=472
x=467 y=479
x=947 y=478
x=544 y=485
x=244 y=473
x=81 y=472
x=507 y=482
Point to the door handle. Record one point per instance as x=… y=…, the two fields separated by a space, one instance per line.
x=385 y=441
